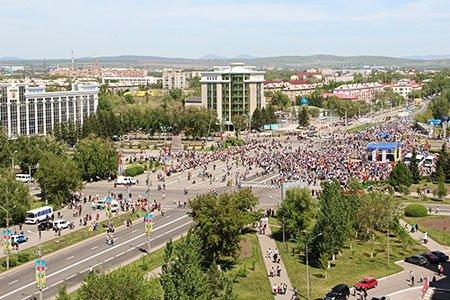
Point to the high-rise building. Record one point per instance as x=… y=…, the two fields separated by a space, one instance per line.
x=27 y=110
x=233 y=90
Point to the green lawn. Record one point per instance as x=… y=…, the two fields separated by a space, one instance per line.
x=255 y=285
x=350 y=266
x=63 y=241
x=361 y=127
x=437 y=227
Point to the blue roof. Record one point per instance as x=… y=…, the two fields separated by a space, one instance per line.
x=383 y=146
x=304 y=101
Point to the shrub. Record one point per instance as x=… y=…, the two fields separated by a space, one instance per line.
x=416 y=210
x=134 y=170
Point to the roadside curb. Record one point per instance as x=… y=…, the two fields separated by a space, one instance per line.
x=97 y=236
x=404 y=290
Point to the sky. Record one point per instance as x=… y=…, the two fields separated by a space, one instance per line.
x=193 y=28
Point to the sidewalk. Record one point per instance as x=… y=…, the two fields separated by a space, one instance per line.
x=265 y=242
x=418 y=236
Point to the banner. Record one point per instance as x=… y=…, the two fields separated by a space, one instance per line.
x=41 y=278
x=108 y=201
x=7 y=244
x=148 y=221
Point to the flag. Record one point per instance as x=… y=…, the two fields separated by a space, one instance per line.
x=7 y=243
x=41 y=278
x=148 y=221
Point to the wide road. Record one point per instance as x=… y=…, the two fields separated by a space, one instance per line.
x=71 y=265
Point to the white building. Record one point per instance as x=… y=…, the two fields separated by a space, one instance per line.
x=233 y=90
x=404 y=87
x=129 y=82
x=26 y=110
x=363 y=91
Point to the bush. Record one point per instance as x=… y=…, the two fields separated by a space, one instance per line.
x=233 y=142
x=416 y=210
x=134 y=170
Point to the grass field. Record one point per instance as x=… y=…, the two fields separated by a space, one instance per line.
x=361 y=127
x=350 y=266
x=63 y=241
x=255 y=285
x=437 y=227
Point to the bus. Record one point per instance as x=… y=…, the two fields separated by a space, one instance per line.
x=37 y=215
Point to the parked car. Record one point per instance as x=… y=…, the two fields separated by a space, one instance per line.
x=125 y=180
x=100 y=204
x=60 y=224
x=432 y=259
x=366 y=283
x=18 y=239
x=441 y=255
x=339 y=292
x=417 y=260
x=45 y=225
x=380 y=298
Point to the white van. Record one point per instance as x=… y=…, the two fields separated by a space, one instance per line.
x=60 y=224
x=38 y=214
x=115 y=207
x=429 y=161
x=125 y=180
x=24 y=178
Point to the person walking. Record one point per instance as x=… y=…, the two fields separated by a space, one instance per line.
x=412 y=280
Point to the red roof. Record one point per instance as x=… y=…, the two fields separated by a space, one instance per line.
x=298 y=82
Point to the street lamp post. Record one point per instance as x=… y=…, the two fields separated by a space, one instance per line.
x=39 y=256
x=308 y=288
x=7 y=227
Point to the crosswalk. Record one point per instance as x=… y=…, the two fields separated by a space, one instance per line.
x=260 y=185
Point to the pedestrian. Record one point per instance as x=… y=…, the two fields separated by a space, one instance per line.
x=278 y=271
x=274 y=289
x=284 y=288
x=412 y=280
x=420 y=278
x=271 y=272
x=439 y=269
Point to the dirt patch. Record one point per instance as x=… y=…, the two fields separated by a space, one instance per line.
x=438 y=224
x=246 y=249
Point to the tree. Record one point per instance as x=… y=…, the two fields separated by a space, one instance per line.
x=400 y=177
x=5 y=150
x=441 y=163
x=303 y=117
x=58 y=177
x=240 y=123
x=62 y=293
x=14 y=197
x=182 y=275
x=441 y=190
x=198 y=122
x=176 y=94
x=333 y=224
x=414 y=168
x=279 y=99
x=220 y=220
x=440 y=106
x=257 y=119
x=96 y=158
x=298 y=211
x=120 y=284
x=269 y=115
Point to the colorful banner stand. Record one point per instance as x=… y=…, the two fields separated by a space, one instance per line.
x=41 y=279
x=148 y=221
x=7 y=244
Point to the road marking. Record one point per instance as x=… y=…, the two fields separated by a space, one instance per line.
x=141 y=244
x=131 y=249
x=93 y=256
x=95 y=247
x=120 y=254
x=134 y=231
x=59 y=282
x=14 y=281
x=176 y=228
x=71 y=276
x=111 y=258
x=69 y=258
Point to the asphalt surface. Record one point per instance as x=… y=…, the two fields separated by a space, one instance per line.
x=72 y=265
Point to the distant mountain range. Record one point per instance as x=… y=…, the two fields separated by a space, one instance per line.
x=212 y=56
x=209 y=60
x=428 y=57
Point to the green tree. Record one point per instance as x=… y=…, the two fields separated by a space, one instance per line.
x=414 y=168
x=269 y=115
x=182 y=275
x=440 y=106
x=176 y=94
x=121 y=284
x=62 y=293
x=5 y=150
x=333 y=223
x=279 y=99
x=303 y=117
x=58 y=177
x=441 y=163
x=14 y=197
x=240 y=123
x=257 y=119
x=220 y=220
x=198 y=122
x=400 y=177
x=299 y=212
x=441 y=190
x=96 y=158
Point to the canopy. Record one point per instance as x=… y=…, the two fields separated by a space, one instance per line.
x=383 y=146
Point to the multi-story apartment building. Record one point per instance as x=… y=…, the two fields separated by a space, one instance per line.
x=404 y=87
x=363 y=91
x=27 y=110
x=175 y=79
x=292 y=88
x=233 y=90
